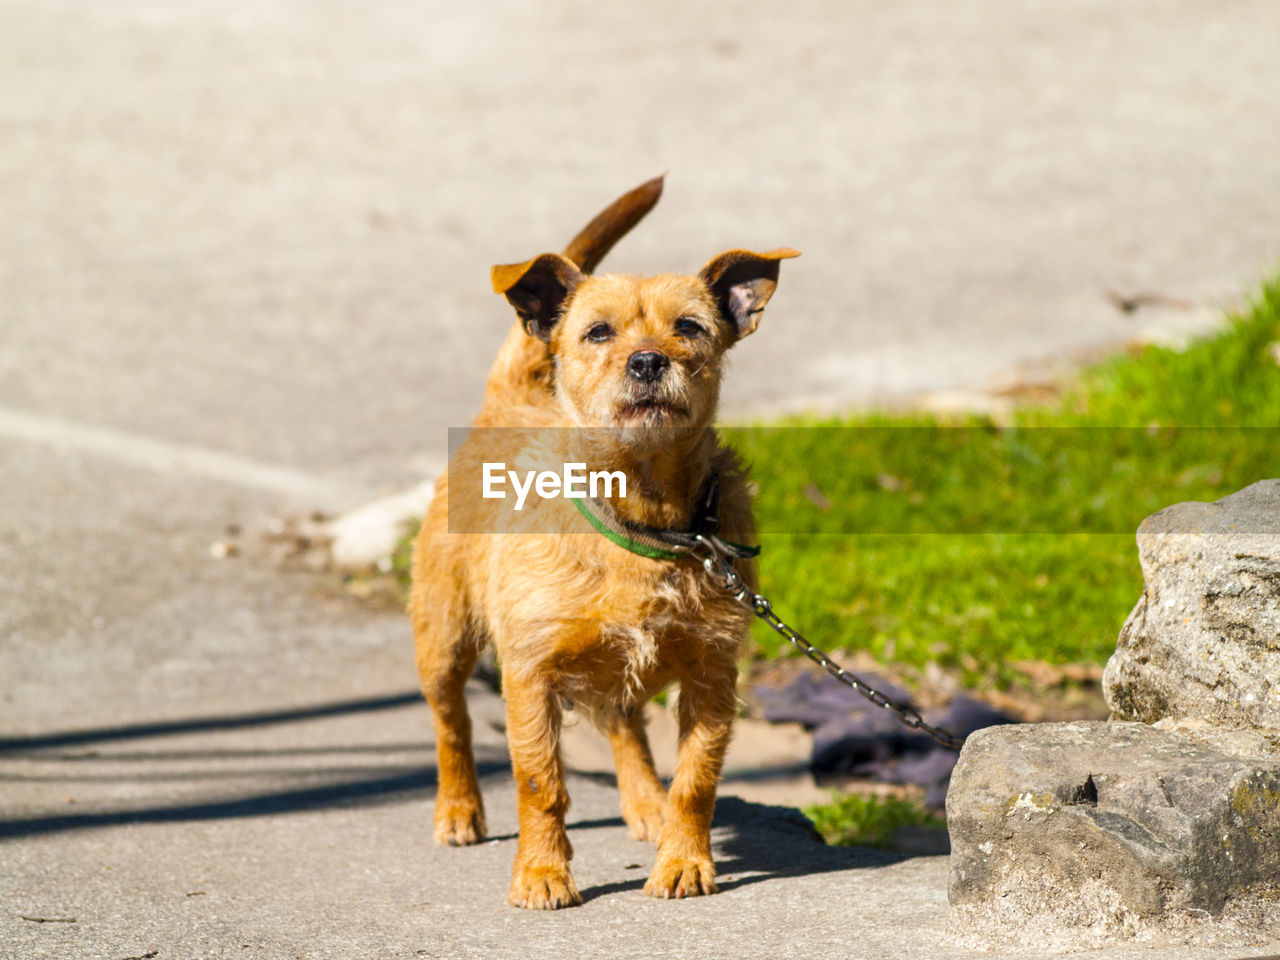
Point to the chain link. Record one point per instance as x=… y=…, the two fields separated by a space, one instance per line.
x=721 y=569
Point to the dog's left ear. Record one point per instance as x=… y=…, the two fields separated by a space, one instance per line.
x=742 y=283
x=538 y=289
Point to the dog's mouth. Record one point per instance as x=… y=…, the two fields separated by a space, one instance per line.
x=651 y=410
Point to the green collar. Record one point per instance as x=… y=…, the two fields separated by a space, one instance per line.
x=621 y=535
x=659 y=544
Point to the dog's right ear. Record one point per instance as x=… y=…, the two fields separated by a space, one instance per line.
x=538 y=289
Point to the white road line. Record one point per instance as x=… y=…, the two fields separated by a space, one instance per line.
x=161 y=456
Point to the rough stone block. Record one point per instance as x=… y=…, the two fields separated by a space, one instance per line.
x=1204 y=639
x=1098 y=830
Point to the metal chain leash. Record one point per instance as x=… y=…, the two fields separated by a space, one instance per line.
x=720 y=568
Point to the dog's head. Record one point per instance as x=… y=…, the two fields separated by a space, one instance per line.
x=641 y=353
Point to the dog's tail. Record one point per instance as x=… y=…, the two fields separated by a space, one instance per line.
x=596 y=239
x=521 y=372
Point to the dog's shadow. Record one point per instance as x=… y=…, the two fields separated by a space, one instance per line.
x=754 y=843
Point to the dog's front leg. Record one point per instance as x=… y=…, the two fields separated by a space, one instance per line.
x=707 y=706
x=540 y=878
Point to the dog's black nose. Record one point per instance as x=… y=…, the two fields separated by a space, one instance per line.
x=647 y=366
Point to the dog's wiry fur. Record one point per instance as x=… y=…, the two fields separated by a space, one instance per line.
x=577 y=617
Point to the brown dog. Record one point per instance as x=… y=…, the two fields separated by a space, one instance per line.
x=622 y=373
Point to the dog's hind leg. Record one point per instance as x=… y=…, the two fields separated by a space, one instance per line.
x=644 y=800
x=447 y=651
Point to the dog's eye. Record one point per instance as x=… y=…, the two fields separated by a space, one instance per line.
x=690 y=329
x=599 y=333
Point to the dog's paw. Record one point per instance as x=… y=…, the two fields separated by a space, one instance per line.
x=645 y=818
x=543 y=888
x=681 y=877
x=459 y=823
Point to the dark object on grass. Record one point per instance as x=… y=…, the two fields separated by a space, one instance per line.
x=852 y=737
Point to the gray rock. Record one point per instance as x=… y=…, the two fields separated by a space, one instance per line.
x=1204 y=639
x=1083 y=832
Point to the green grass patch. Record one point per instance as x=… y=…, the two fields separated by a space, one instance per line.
x=971 y=544
x=864 y=820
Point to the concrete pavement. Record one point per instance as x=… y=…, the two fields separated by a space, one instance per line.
x=243 y=256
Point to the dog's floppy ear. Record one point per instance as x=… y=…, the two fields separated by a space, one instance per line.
x=742 y=283
x=538 y=290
